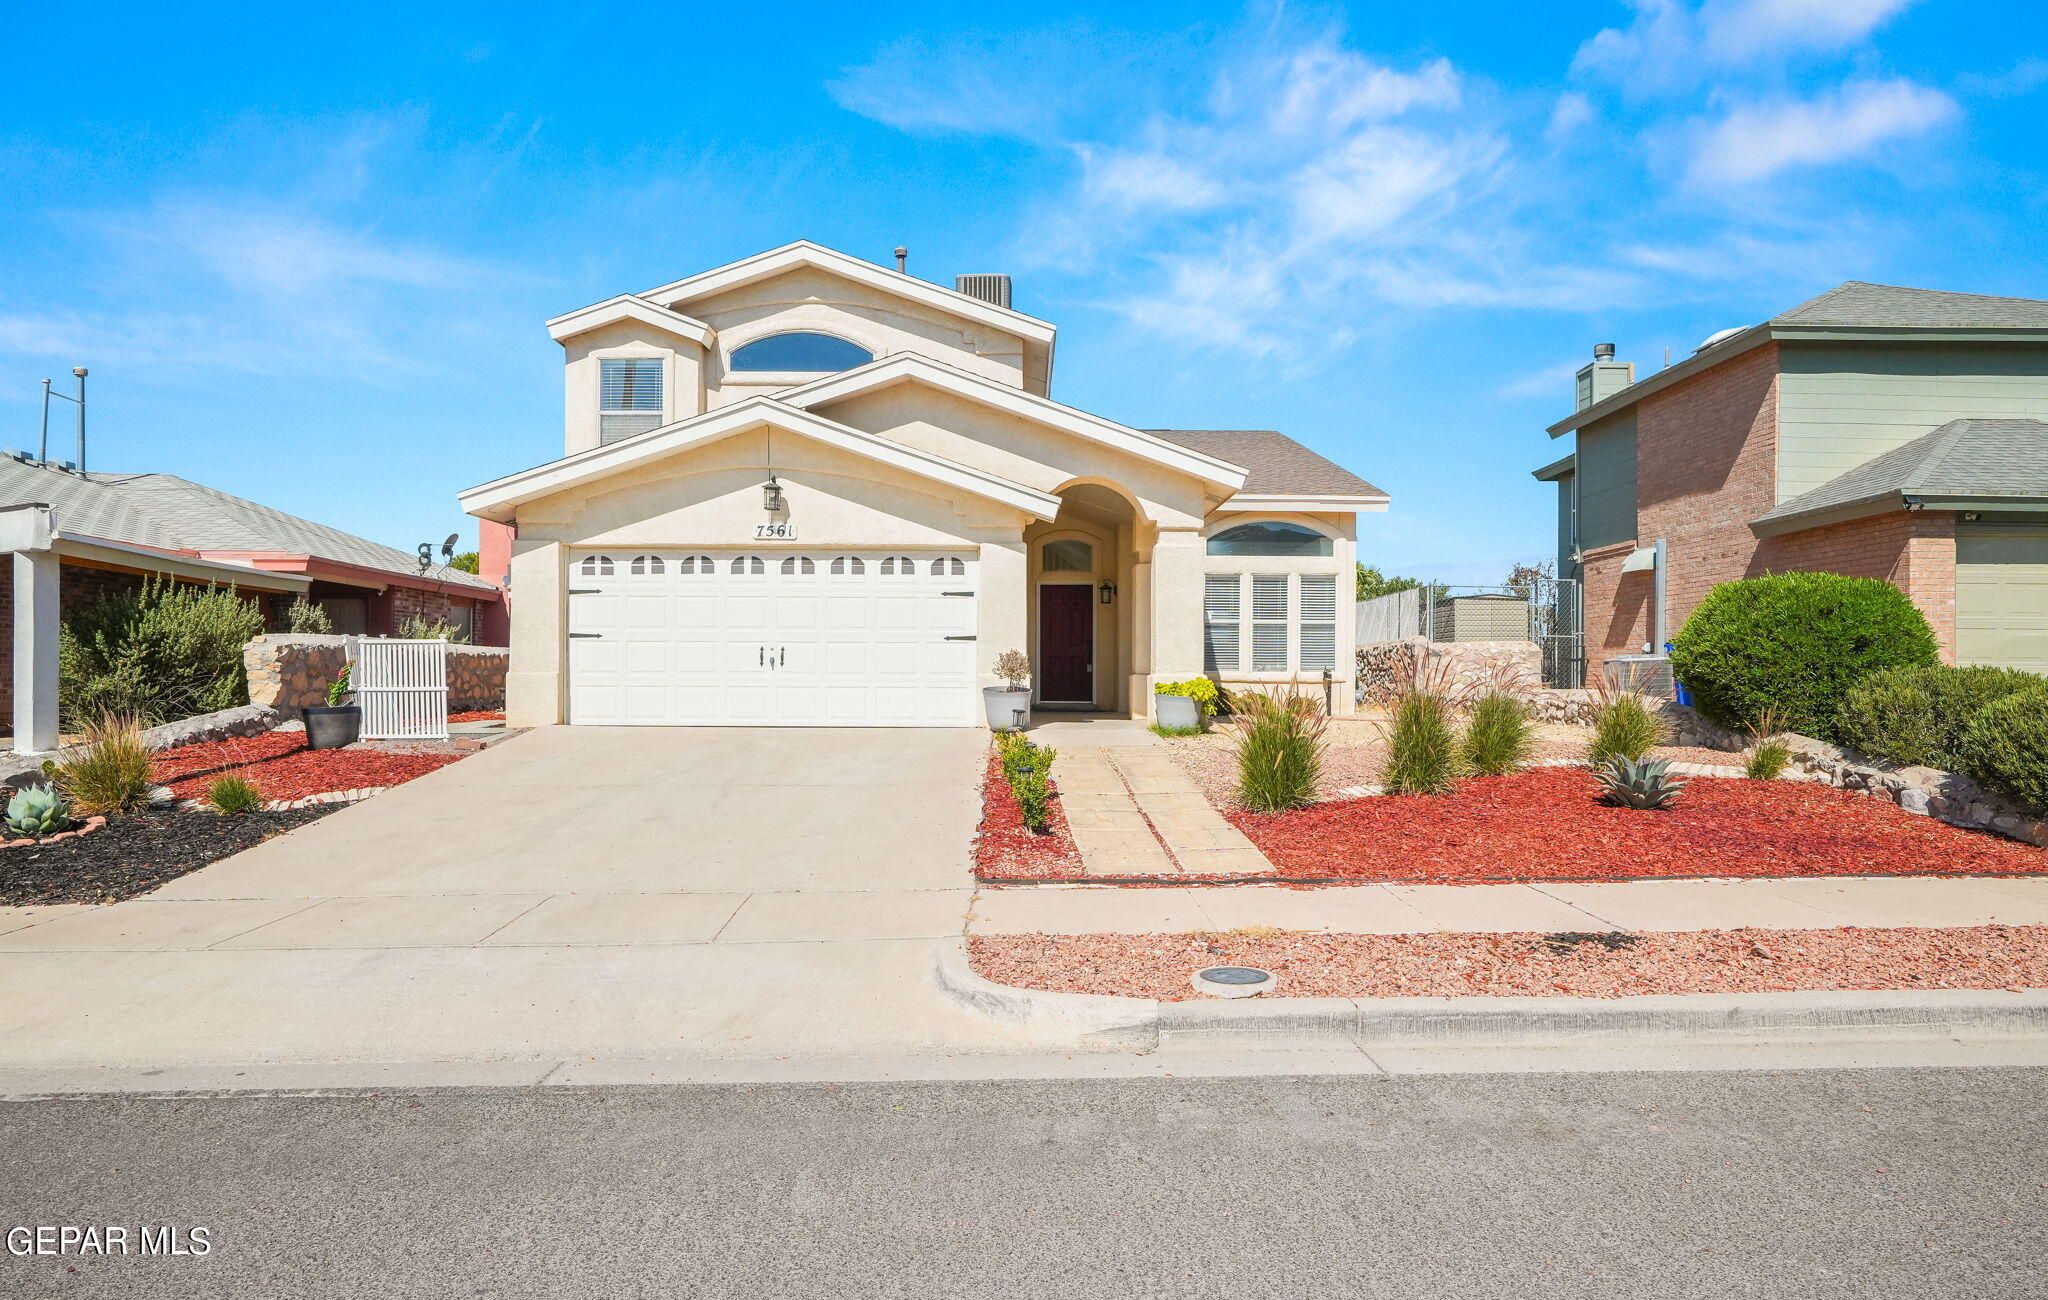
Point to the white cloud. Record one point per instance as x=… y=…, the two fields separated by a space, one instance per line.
x=1670 y=43
x=1553 y=382
x=1571 y=112
x=1758 y=141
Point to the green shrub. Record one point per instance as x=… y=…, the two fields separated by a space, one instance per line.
x=1796 y=643
x=1767 y=759
x=418 y=627
x=233 y=796
x=1499 y=737
x=110 y=771
x=338 y=689
x=1625 y=727
x=302 y=618
x=157 y=654
x=1422 y=747
x=1159 y=730
x=1027 y=770
x=1633 y=783
x=1917 y=716
x=2005 y=748
x=1279 y=751
x=1200 y=689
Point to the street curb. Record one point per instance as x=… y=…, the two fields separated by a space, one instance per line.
x=1144 y=1023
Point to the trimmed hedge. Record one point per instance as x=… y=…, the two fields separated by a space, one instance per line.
x=2006 y=747
x=1790 y=645
x=1918 y=716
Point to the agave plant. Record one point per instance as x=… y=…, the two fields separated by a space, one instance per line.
x=1639 y=783
x=38 y=810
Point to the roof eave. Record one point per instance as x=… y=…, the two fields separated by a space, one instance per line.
x=1314 y=503
x=1556 y=469
x=626 y=306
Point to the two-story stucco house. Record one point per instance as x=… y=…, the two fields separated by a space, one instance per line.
x=804 y=489
x=1886 y=432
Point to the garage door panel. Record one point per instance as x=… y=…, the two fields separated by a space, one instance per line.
x=2002 y=597
x=775 y=638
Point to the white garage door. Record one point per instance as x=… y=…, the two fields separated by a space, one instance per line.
x=2002 y=597
x=772 y=638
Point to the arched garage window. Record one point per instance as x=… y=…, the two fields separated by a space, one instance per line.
x=1269 y=538
x=801 y=351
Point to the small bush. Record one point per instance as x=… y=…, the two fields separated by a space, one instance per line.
x=302 y=617
x=1422 y=747
x=1027 y=770
x=1500 y=737
x=1013 y=668
x=2005 y=748
x=1767 y=759
x=1279 y=751
x=1795 y=642
x=110 y=772
x=1199 y=689
x=418 y=627
x=1158 y=730
x=165 y=651
x=338 y=689
x=1625 y=727
x=232 y=796
x=1917 y=716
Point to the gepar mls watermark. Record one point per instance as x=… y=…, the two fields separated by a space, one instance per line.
x=80 y=1240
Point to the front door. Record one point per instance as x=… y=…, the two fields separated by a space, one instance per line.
x=1066 y=644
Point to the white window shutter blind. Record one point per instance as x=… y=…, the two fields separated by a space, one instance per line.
x=1269 y=622
x=629 y=398
x=1220 y=622
x=1318 y=622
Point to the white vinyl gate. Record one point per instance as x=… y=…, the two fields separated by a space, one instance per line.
x=403 y=689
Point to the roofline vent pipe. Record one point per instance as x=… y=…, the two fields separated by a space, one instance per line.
x=1603 y=352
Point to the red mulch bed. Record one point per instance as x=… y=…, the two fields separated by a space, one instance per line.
x=281 y=766
x=478 y=715
x=1004 y=847
x=1528 y=964
x=1549 y=824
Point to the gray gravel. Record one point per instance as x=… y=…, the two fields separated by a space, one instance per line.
x=1838 y=1183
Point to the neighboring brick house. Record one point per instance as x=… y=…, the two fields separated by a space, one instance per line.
x=105 y=533
x=1886 y=432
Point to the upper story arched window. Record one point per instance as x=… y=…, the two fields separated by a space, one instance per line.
x=1269 y=538
x=800 y=351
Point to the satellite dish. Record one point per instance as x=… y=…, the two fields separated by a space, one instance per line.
x=448 y=547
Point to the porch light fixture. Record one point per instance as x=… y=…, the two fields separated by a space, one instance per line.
x=1108 y=591
x=771 y=495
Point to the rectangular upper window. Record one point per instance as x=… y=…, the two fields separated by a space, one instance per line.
x=629 y=397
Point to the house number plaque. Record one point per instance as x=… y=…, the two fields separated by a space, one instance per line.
x=775 y=532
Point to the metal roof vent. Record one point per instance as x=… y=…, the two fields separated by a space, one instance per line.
x=989 y=288
x=1718 y=336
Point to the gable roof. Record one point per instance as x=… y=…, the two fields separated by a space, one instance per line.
x=803 y=252
x=1857 y=303
x=909 y=367
x=1964 y=464
x=500 y=498
x=1275 y=464
x=1853 y=309
x=628 y=307
x=165 y=512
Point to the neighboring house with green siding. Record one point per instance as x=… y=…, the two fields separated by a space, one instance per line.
x=1890 y=432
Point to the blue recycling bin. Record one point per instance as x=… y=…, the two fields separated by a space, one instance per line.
x=1678 y=691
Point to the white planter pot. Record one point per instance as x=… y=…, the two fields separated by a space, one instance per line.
x=1003 y=704
x=1177 y=712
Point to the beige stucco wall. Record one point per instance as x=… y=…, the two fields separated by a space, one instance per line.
x=682 y=376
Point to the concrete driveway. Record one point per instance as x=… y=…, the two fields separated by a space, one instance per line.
x=571 y=894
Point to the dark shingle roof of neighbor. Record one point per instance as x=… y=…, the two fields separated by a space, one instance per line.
x=1963 y=458
x=1890 y=305
x=174 y=514
x=1275 y=462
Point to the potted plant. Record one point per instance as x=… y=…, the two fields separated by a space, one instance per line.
x=1181 y=706
x=1009 y=705
x=337 y=724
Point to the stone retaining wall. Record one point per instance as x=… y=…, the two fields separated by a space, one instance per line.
x=288 y=672
x=1456 y=667
x=1928 y=791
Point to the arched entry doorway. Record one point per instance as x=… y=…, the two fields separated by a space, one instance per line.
x=1081 y=605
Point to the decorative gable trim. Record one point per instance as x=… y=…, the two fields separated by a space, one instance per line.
x=501 y=498
x=904 y=366
x=803 y=252
x=630 y=307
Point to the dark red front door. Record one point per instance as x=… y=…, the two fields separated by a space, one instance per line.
x=1066 y=644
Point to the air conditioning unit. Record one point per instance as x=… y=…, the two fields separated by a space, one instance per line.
x=989 y=288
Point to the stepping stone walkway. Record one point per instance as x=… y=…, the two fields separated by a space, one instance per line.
x=1135 y=811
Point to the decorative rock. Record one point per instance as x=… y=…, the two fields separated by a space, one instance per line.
x=1917 y=802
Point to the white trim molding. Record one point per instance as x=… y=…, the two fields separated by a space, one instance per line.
x=630 y=307
x=1280 y=503
x=499 y=499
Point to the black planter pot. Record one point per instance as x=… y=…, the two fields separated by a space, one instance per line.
x=332 y=726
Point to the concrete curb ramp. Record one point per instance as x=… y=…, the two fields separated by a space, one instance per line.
x=1143 y=1024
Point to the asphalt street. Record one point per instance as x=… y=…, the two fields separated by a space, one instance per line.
x=1864 y=1183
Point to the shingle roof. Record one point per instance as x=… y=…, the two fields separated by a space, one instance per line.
x=1275 y=462
x=1963 y=458
x=171 y=513
x=1858 y=303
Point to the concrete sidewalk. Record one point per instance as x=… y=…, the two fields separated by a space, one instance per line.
x=1778 y=904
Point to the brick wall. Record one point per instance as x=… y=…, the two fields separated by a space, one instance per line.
x=1914 y=552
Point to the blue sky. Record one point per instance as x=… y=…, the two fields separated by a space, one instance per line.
x=308 y=255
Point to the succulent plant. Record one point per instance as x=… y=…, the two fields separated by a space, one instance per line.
x=1639 y=782
x=38 y=810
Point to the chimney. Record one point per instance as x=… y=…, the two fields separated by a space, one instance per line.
x=989 y=288
x=1604 y=377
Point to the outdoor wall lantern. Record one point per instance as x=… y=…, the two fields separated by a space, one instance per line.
x=1108 y=590
x=771 y=495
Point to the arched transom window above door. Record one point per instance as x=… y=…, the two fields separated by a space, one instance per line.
x=1269 y=537
x=1067 y=555
x=800 y=350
